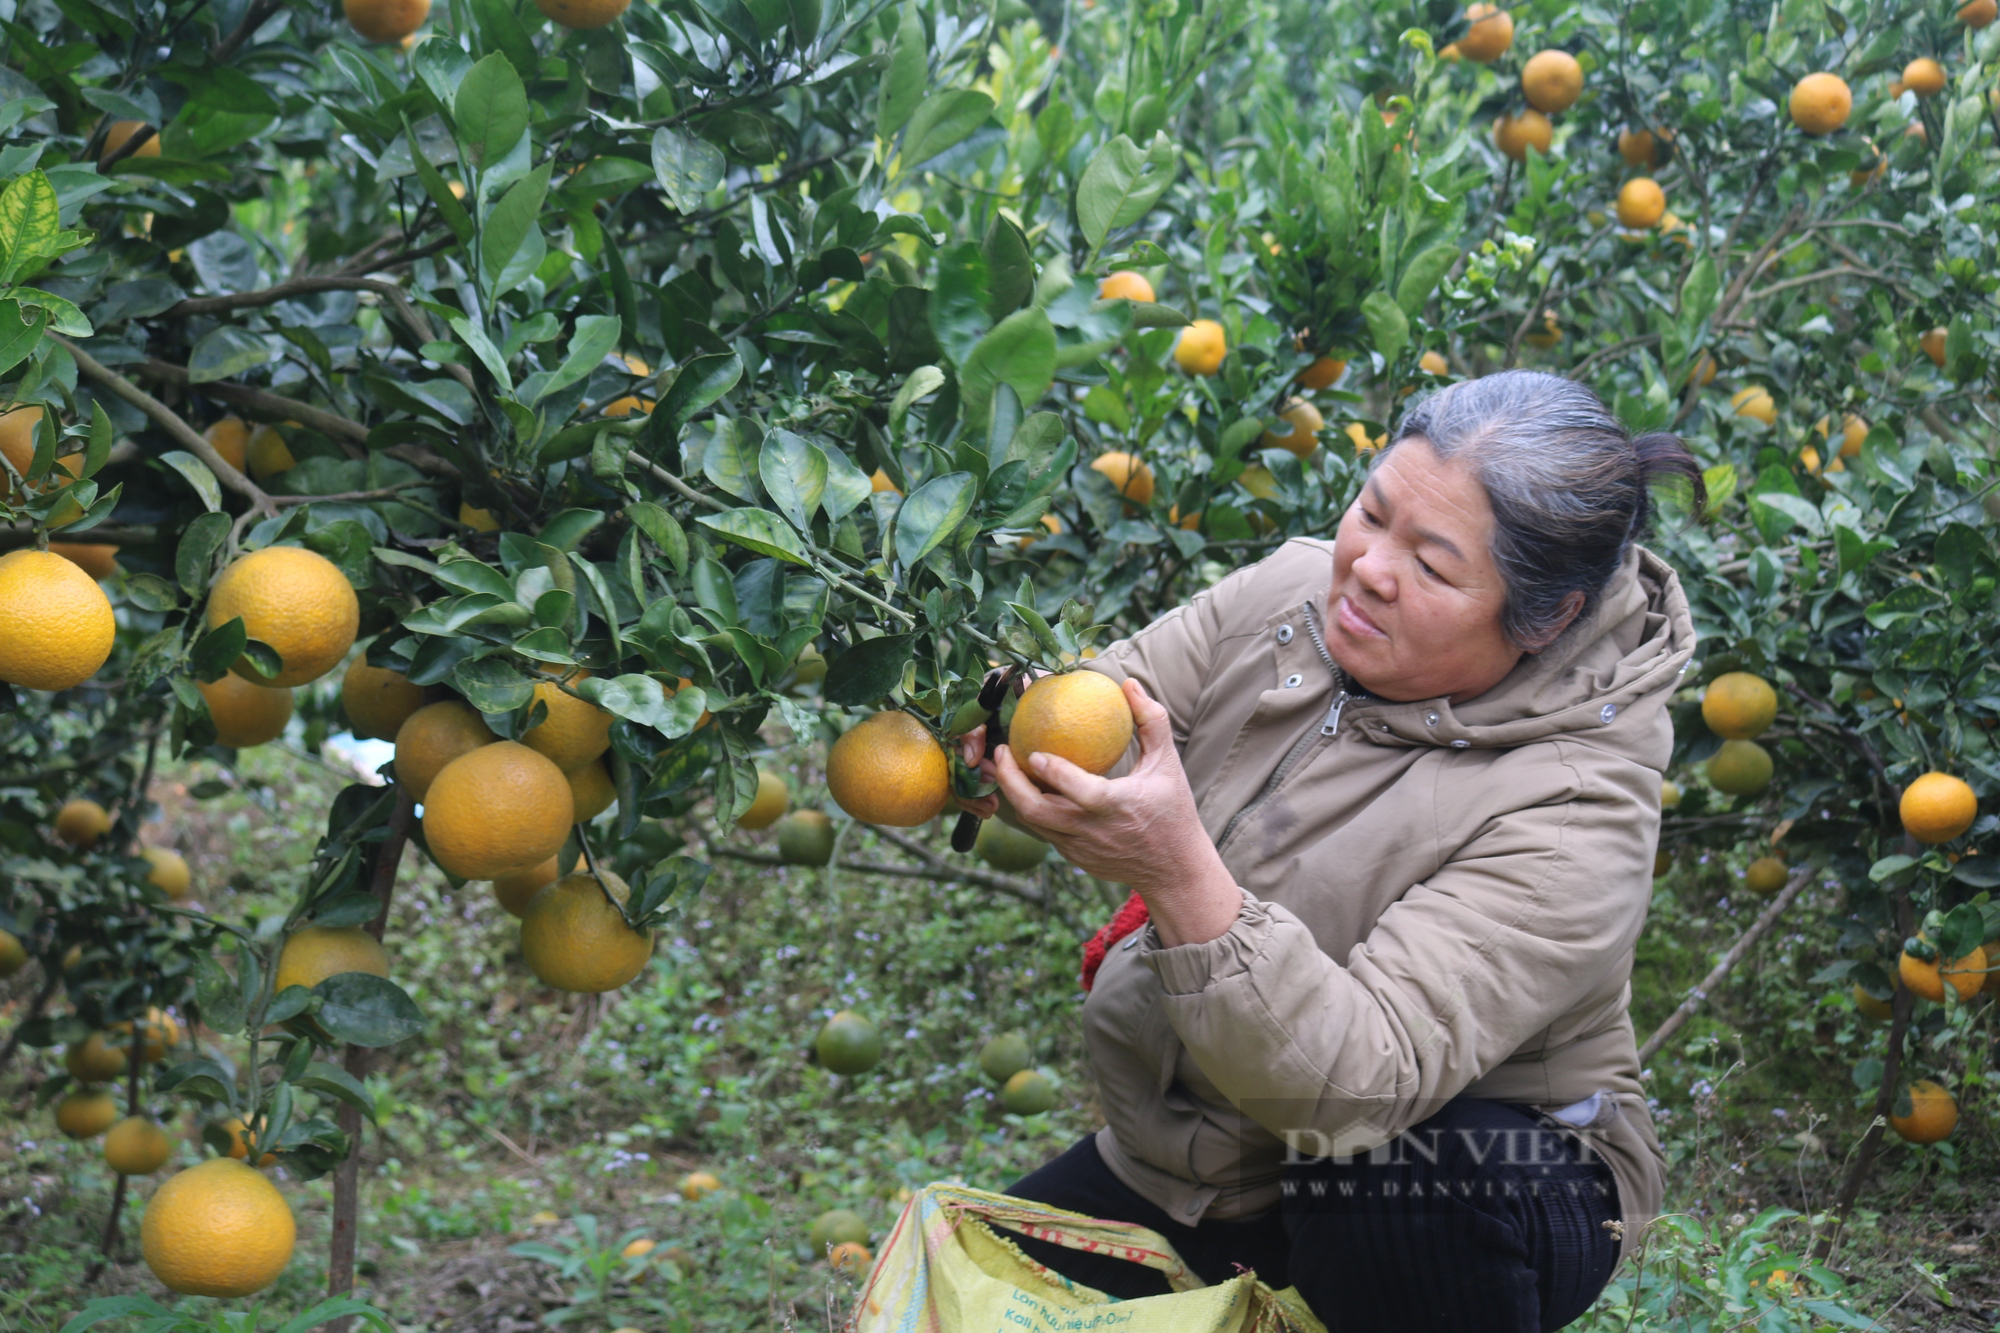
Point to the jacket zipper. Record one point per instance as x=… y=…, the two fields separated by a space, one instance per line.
x=1327 y=727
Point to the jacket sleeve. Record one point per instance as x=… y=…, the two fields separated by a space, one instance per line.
x=1461 y=972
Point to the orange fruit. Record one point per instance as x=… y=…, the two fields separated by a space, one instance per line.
x=695 y=1184
x=170 y=872
x=1127 y=286
x=241 y=1141
x=772 y=800
x=575 y=732
x=1363 y=441
x=315 y=953
x=879 y=482
x=217 y=1229
x=517 y=888
x=1201 y=347
x=1929 y=976
x=805 y=838
x=591 y=790
x=137 y=1147
x=81 y=823
x=378 y=700
x=1821 y=103
x=1549 y=334
x=1739 y=706
x=1301 y=436
x=574 y=940
x=1433 y=363
x=1050 y=522
x=59 y=622
x=230 y=437
x=1809 y=457
x=1766 y=875
x=1978 y=13
x=1080 y=715
x=630 y=403
x=1924 y=77
x=1871 y=1006
x=1192 y=523
x=582 y=13
x=1853 y=433
x=1932 y=1115
x=1938 y=807
x=1703 y=372
x=120 y=131
x=245 y=714
x=1740 y=768
x=1641 y=203
x=386 y=20
x=17 y=443
x=268 y=454
x=1755 y=402
x=1323 y=373
x=1639 y=148
x=850 y=1257
x=1933 y=343
x=94 y=1059
x=84 y=1114
x=1128 y=476
x=160 y=1034
x=96 y=559
x=1515 y=135
x=432 y=737
x=1489 y=31
x=479 y=520
x=1552 y=81
x=296 y=601
x=889 y=769
x=499 y=808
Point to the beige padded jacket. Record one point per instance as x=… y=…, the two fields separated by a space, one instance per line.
x=1439 y=899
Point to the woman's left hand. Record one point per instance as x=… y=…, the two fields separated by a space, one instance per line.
x=1142 y=829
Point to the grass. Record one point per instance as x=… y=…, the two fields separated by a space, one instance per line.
x=528 y=1135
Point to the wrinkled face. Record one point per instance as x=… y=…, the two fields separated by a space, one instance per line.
x=1414 y=612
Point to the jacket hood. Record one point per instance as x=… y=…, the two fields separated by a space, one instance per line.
x=1627 y=652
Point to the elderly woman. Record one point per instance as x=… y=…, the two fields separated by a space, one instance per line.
x=1390 y=831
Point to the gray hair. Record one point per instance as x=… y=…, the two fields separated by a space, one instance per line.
x=1569 y=486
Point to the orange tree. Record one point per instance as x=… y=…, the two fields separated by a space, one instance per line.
x=614 y=358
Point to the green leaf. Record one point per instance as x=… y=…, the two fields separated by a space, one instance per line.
x=1387 y=325
x=98 y=452
x=482 y=347
x=1423 y=276
x=197 y=475
x=868 y=671
x=492 y=684
x=364 y=1009
x=217 y=650
x=1720 y=483
x=664 y=529
x=758 y=530
x=1698 y=294
x=512 y=218
x=30 y=225
x=644 y=700
x=701 y=383
x=904 y=77
x=944 y=119
x=335 y=1082
x=595 y=338
x=1020 y=353
x=448 y=206
x=216 y=992
x=491 y=110
x=20 y=333
x=1121 y=184
x=794 y=475
x=199 y=542
x=225 y=353
x=923 y=381
x=847 y=486
x=932 y=513
x=686 y=167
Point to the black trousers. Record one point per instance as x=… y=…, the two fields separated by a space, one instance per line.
x=1478 y=1220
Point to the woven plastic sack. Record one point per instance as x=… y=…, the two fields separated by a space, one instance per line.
x=946 y=1269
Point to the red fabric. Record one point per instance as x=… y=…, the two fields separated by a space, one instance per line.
x=1128 y=919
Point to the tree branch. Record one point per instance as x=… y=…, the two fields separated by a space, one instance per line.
x=254 y=18
x=284 y=291
x=1720 y=972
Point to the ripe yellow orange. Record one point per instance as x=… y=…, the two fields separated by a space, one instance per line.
x=1080 y=715
x=217 y=1229
x=574 y=940
x=1703 y=372
x=1192 y=523
x=1929 y=976
x=517 y=888
x=1821 y=103
x=1639 y=148
x=432 y=737
x=1871 y=1006
x=1933 y=343
x=170 y=874
x=1670 y=795
x=312 y=955
x=1201 y=347
x=386 y=20
x=86 y=1113
x=17 y=444
x=1125 y=285
x=1924 y=77
x=1938 y=807
x=95 y=1059
x=1433 y=363
x=97 y=559
x=1303 y=424
x=1049 y=521
x=1853 y=433
x=1489 y=31
x=1809 y=457
x=1978 y=13
x=1641 y=202
x=638 y=1249
x=159 y=1034
x=575 y=732
x=630 y=403
x=241 y=1141
x=1932 y=1116
x=1739 y=705
x=1323 y=373
x=499 y=808
x=1257 y=480
x=80 y=823
x=1363 y=441
x=137 y=1147
x=230 y=437
x=1740 y=768
x=1766 y=875
x=378 y=700
x=582 y=13
x=295 y=600
x=772 y=800
x=878 y=482
x=1515 y=135
x=1755 y=402
x=591 y=790
x=1128 y=476
x=59 y=623
x=1552 y=81
x=850 y=1257
x=479 y=520
x=245 y=714
x=120 y=131
x=889 y=769
x=267 y=454
x=695 y=1184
